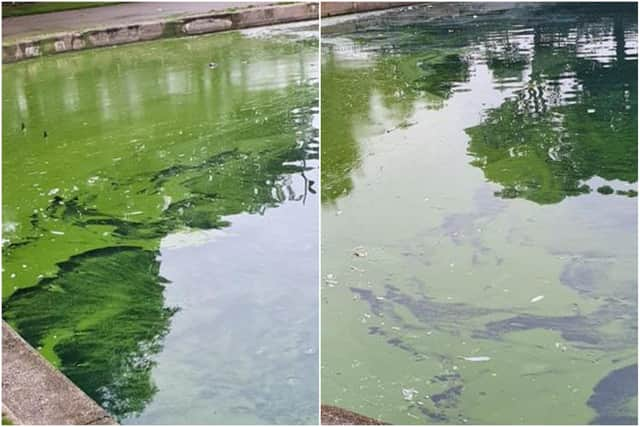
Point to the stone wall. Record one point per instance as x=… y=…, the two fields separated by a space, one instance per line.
x=199 y=24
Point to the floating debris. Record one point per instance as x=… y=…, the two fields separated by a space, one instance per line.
x=476 y=358
x=538 y=298
x=561 y=346
x=409 y=393
x=359 y=251
x=10 y=227
x=59 y=233
x=166 y=202
x=330 y=282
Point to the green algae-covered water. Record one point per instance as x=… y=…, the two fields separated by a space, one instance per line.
x=479 y=210
x=160 y=224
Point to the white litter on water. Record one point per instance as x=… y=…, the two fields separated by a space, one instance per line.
x=166 y=202
x=59 y=233
x=538 y=298
x=331 y=283
x=359 y=251
x=408 y=393
x=561 y=346
x=9 y=227
x=477 y=358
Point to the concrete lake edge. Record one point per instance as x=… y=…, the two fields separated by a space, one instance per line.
x=36 y=393
x=217 y=21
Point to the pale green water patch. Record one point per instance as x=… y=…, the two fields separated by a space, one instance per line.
x=475 y=266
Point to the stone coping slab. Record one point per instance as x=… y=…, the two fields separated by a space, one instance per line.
x=36 y=393
x=215 y=21
x=332 y=415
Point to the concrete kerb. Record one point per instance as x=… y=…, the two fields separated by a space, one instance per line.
x=331 y=8
x=167 y=28
x=36 y=393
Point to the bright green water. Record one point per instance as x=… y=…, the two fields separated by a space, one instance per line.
x=479 y=216
x=145 y=143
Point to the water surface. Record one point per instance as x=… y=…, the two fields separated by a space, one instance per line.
x=479 y=215
x=160 y=224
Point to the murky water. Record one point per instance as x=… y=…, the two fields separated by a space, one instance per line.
x=479 y=215
x=160 y=224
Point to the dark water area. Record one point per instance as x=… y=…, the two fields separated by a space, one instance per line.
x=479 y=208
x=122 y=169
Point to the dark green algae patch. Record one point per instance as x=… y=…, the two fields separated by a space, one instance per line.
x=479 y=222
x=543 y=144
x=100 y=320
x=108 y=151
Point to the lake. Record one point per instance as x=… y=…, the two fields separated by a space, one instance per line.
x=160 y=224
x=479 y=205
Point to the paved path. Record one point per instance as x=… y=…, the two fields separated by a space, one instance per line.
x=106 y=16
x=332 y=415
x=34 y=392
